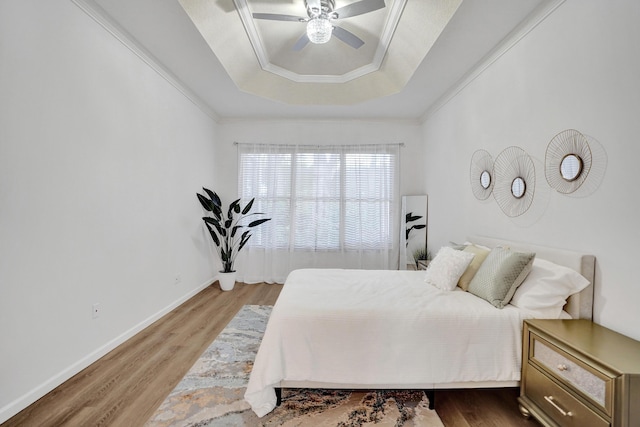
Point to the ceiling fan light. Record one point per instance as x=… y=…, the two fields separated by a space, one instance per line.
x=319 y=30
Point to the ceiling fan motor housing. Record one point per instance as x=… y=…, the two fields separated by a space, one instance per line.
x=326 y=7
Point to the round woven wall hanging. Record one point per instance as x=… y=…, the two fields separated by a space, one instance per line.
x=515 y=177
x=567 y=161
x=481 y=174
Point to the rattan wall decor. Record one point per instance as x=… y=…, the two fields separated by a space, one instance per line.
x=568 y=161
x=515 y=181
x=481 y=174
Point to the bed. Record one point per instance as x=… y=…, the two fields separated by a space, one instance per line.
x=365 y=329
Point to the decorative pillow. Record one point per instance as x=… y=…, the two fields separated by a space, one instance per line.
x=458 y=246
x=480 y=246
x=500 y=274
x=445 y=269
x=480 y=255
x=547 y=287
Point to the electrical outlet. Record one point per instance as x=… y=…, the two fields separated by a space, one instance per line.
x=178 y=279
x=95 y=310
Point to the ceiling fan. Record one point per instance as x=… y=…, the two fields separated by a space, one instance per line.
x=321 y=15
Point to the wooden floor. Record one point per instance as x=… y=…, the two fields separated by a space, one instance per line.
x=127 y=385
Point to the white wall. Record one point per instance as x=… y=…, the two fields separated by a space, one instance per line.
x=578 y=69
x=100 y=159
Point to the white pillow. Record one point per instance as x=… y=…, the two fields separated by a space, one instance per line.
x=547 y=287
x=445 y=269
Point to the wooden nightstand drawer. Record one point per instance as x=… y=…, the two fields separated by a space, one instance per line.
x=580 y=367
x=563 y=408
x=593 y=384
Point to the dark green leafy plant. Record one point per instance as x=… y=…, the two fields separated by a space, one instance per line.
x=410 y=217
x=229 y=232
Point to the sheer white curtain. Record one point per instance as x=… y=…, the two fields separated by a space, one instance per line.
x=330 y=206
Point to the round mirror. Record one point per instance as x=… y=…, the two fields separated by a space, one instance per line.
x=571 y=167
x=518 y=187
x=485 y=179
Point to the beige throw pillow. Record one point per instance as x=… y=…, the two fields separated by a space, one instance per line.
x=500 y=275
x=472 y=269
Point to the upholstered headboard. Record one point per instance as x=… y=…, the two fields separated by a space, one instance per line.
x=580 y=305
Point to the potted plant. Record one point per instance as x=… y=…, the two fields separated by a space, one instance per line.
x=421 y=256
x=229 y=232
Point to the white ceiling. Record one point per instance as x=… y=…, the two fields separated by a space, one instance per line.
x=163 y=29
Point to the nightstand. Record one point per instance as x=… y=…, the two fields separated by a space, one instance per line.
x=423 y=264
x=580 y=374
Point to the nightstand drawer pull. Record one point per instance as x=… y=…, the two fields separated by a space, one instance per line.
x=562 y=367
x=553 y=403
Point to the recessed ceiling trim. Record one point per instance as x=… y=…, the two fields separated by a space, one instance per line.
x=311 y=78
x=257 y=43
x=419 y=26
x=252 y=32
x=389 y=30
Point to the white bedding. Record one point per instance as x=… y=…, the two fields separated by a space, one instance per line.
x=381 y=327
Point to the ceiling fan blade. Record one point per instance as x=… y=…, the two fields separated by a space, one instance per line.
x=301 y=43
x=278 y=17
x=348 y=37
x=359 y=8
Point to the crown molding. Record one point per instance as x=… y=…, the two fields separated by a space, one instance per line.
x=98 y=14
x=511 y=40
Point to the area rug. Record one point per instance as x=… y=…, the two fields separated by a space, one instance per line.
x=211 y=393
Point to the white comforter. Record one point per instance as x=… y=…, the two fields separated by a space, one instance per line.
x=381 y=328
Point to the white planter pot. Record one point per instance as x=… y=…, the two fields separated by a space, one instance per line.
x=227 y=280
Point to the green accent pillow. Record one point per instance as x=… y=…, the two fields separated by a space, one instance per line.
x=500 y=275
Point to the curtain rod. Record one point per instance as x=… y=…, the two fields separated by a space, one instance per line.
x=401 y=144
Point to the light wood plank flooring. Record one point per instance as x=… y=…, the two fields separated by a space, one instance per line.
x=126 y=386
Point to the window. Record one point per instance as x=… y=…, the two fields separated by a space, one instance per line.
x=326 y=198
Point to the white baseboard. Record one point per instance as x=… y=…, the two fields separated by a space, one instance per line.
x=36 y=393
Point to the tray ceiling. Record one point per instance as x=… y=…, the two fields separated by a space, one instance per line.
x=165 y=37
x=259 y=56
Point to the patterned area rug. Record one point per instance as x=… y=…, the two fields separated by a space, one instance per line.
x=211 y=394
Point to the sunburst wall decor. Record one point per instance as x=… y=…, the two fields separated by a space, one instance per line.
x=568 y=161
x=515 y=178
x=481 y=174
